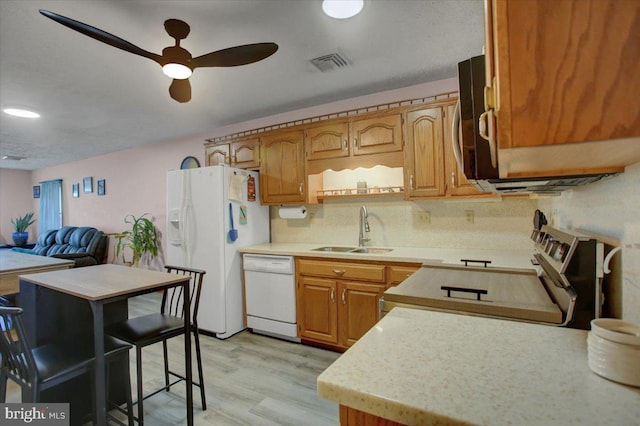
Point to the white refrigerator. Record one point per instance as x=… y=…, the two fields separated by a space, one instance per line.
x=200 y=203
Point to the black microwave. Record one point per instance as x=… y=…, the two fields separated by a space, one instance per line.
x=472 y=151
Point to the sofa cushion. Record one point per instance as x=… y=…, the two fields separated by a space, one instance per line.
x=45 y=241
x=84 y=244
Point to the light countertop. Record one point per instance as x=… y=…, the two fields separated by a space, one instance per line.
x=518 y=259
x=424 y=367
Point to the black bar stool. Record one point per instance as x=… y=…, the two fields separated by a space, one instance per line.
x=40 y=368
x=159 y=327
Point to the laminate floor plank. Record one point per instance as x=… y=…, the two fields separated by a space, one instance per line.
x=250 y=379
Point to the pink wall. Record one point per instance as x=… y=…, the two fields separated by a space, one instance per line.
x=15 y=201
x=136 y=178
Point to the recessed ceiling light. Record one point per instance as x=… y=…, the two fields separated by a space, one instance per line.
x=342 y=9
x=22 y=113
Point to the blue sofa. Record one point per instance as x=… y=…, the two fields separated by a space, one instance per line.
x=84 y=245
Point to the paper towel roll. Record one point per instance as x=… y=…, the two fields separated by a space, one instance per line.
x=293 y=212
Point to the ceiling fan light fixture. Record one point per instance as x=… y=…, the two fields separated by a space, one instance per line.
x=177 y=71
x=22 y=113
x=342 y=9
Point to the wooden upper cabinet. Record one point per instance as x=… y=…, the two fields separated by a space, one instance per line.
x=282 y=174
x=424 y=156
x=217 y=154
x=327 y=141
x=564 y=76
x=376 y=135
x=245 y=153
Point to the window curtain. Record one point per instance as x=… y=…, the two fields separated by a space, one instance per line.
x=50 y=216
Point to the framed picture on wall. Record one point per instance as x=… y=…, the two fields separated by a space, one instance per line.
x=75 y=190
x=101 y=187
x=87 y=184
x=36 y=191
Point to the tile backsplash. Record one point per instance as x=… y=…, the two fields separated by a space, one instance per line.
x=502 y=224
x=610 y=208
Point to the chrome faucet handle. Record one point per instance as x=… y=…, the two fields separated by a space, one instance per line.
x=366 y=226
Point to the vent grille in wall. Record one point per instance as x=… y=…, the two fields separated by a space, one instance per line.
x=330 y=61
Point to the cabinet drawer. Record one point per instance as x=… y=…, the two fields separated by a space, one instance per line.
x=342 y=270
x=397 y=274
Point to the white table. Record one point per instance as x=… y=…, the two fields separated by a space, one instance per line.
x=100 y=285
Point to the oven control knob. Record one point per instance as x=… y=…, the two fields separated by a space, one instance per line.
x=564 y=251
x=552 y=247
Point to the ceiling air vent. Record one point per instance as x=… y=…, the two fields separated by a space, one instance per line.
x=330 y=61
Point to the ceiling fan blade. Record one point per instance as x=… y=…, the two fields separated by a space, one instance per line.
x=234 y=56
x=100 y=35
x=180 y=90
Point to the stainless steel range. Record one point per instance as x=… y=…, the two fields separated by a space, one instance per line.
x=564 y=288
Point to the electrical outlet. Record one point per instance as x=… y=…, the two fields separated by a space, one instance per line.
x=424 y=217
x=469 y=215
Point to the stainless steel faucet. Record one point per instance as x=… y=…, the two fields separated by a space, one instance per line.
x=364 y=226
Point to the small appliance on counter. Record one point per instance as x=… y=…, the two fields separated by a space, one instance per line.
x=564 y=290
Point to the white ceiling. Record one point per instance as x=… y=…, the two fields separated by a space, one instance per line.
x=96 y=99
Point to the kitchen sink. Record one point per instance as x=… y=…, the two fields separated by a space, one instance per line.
x=341 y=249
x=371 y=250
x=333 y=248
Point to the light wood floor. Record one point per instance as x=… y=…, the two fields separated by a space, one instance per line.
x=249 y=379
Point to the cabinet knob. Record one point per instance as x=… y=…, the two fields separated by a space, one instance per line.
x=339 y=271
x=344 y=300
x=333 y=295
x=411 y=182
x=355 y=142
x=301 y=189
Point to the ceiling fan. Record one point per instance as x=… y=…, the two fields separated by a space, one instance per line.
x=176 y=61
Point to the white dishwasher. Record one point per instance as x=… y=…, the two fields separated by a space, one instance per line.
x=270 y=292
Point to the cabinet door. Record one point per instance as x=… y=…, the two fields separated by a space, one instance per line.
x=217 y=154
x=376 y=135
x=327 y=141
x=282 y=169
x=317 y=309
x=457 y=183
x=245 y=153
x=561 y=81
x=358 y=310
x=424 y=160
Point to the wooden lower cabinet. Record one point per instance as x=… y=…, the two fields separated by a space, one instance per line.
x=317 y=309
x=335 y=311
x=352 y=417
x=358 y=310
x=396 y=273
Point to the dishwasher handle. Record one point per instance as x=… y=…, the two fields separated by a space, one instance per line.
x=269 y=263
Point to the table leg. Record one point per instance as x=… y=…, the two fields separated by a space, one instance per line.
x=187 y=352
x=100 y=375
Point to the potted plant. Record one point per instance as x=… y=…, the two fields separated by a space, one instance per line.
x=20 y=225
x=140 y=239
